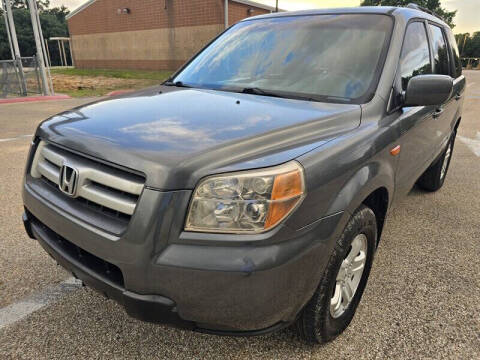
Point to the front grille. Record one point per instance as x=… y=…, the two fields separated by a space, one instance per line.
x=102 y=268
x=100 y=187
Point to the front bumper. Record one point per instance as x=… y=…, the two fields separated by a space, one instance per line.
x=168 y=276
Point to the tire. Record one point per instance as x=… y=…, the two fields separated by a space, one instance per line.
x=318 y=322
x=434 y=177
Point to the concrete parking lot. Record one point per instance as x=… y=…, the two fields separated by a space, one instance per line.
x=422 y=299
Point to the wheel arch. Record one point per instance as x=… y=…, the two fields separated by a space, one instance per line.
x=378 y=201
x=372 y=185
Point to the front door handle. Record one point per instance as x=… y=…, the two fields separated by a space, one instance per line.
x=438 y=112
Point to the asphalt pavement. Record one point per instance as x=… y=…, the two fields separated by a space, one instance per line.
x=422 y=299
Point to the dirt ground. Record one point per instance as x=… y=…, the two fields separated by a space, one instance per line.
x=80 y=86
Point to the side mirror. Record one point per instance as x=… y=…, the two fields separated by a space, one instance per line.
x=423 y=90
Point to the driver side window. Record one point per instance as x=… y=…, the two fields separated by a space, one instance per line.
x=415 y=56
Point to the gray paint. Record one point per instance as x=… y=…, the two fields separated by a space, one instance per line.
x=424 y=90
x=243 y=282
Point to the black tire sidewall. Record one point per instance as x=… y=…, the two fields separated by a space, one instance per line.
x=431 y=180
x=362 y=222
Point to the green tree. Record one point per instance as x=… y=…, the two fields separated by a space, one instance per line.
x=469 y=45
x=53 y=24
x=433 y=5
x=22 y=4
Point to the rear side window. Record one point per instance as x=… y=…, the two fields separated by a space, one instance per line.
x=415 y=57
x=456 y=54
x=441 y=64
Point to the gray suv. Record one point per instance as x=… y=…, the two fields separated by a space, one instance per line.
x=249 y=191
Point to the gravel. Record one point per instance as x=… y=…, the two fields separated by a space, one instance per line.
x=422 y=299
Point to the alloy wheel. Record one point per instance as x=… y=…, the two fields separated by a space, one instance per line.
x=349 y=276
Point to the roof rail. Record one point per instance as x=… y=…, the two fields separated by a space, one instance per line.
x=421 y=8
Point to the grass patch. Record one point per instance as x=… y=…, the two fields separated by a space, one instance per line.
x=160 y=75
x=99 y=82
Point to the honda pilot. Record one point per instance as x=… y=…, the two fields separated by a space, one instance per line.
x=250 y=190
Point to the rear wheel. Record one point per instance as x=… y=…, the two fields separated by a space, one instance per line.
x=333 y=305
x=434 y=177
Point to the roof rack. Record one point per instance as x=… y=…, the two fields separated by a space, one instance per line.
x=421 y=8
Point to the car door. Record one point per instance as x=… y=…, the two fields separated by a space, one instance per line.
x=459 y=82
x=444 y=114
x=416 y=123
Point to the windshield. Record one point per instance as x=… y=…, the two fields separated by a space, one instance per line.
x=320 y=57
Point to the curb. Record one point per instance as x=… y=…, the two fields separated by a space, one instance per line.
x=119 y=92
x=34 y=99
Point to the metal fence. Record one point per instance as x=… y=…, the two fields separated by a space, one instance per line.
x=15 y=82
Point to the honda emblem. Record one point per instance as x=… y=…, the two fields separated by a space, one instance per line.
x=68 y=180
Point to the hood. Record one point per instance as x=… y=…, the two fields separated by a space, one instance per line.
x=176 y=136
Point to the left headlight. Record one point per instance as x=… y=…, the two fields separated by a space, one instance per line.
x=247 y=201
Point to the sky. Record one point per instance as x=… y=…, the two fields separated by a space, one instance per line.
x=467 y=19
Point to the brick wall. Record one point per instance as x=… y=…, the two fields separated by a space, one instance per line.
x=155 y=34
x=237 y=12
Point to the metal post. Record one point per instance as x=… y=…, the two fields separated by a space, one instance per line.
x=49 y=59
x=16 y=49
x=226 y=14
x=36 y=73
x=71 y=50
x=8 y=30
x=276 y=7
x=60 y=52
x=38 y=42
x=44 y=52
x=64 y=55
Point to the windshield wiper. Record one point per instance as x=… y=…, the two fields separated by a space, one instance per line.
x=176 y=84
x=279 y=94
x=258 y=91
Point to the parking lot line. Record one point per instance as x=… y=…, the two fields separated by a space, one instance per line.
x=12 y=313
x=16 y=138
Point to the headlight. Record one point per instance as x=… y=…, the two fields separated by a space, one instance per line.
x=247 y=201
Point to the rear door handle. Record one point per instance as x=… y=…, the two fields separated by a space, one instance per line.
x=438 y=112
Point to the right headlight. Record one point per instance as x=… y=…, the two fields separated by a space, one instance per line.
x=247 y=201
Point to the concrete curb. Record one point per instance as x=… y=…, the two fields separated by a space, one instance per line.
x=34 y=99
x=118 y=92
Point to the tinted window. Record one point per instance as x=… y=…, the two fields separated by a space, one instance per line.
x=415 y=58
x=456 y=54
x=440 y=51
x=325 y=57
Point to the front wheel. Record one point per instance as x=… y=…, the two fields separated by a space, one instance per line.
x=434 y=177
x=333 y=305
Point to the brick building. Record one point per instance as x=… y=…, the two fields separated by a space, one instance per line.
x=149 y=34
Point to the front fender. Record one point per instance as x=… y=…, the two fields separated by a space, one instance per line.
x=372 y=176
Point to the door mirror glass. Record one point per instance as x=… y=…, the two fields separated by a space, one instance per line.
x=423 y=90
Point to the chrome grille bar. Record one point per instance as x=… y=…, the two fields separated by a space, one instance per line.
x=102 y=185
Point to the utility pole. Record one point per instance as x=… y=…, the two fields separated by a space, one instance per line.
x=226 y=14
x=14 y=41
x=8 y=29
x=40 y=46
x=276 y=7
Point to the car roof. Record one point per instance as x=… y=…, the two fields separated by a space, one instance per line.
x=404 y=12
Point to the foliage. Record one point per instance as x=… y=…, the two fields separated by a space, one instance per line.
x=469 y=45
x=53 y=24
x=21 y=4
x=433 y=5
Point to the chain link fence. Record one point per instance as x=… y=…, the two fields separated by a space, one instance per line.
x=15 y=82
